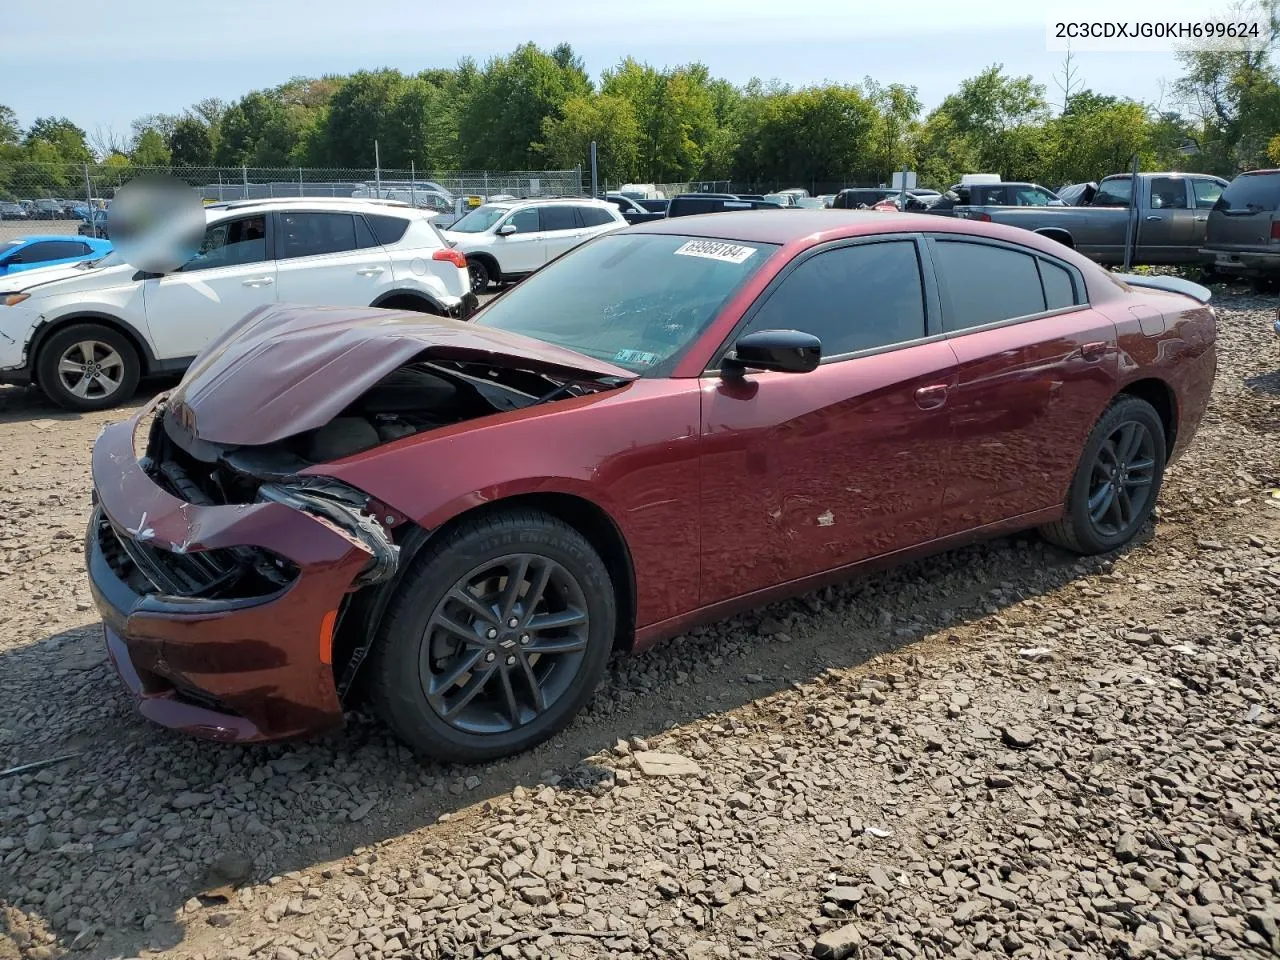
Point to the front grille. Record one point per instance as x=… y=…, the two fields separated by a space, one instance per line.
x=206 y=574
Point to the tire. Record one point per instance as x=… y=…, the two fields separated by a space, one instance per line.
x=1268 y=283
x=411 y=666
x=118 y=365
x=482 y=274
x=1079 y=529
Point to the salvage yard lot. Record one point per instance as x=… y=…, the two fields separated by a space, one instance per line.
x=1004 y=749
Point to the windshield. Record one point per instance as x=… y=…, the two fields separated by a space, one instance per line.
x=635 y=300
x=480 y=219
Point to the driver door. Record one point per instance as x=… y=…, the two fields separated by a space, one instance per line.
x=523 y=251
x=804 y=473
x=230 y=276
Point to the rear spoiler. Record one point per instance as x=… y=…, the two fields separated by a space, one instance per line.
x=1167 y=284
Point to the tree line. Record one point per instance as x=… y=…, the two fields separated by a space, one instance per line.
x=539 y=109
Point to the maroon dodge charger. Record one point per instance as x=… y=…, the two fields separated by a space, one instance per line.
x=463 y=520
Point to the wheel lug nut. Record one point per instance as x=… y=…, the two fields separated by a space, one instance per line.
x=490 y=657
x=513 y=623
x=524 y=638
x=492 y=633
x=511 y=661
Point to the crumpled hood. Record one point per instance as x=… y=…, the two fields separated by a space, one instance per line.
x=285 y=369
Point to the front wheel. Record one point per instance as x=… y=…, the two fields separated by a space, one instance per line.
x=497 y=636
x=88 y=367
x=1116 y=484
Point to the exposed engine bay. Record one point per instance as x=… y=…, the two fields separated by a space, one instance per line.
x=414 y=398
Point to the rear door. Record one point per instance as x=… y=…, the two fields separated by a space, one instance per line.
x=1242 y=218
x=329 y=258
x=231 y=276
x=803 y=473
x=1167 y=225
x=562 y=229
x=1036 y=366
x=1205 y=192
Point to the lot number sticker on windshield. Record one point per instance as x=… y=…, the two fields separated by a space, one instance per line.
x=715 y=250
x=640 y=357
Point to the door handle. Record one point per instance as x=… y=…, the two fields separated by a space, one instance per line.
x=932 y=396
x=1093 y=351
x=1201 y=219
x=369 y=271
x=1155 y=218
x=259 y=282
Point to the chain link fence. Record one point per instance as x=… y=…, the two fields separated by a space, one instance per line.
x=57 y=199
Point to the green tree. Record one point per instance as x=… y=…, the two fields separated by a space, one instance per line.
x=1233 y=98
x=501 y=123
x=992 y=124
x=260 y=130
x=359 y=114
x=10 y=131
x=899 y=109
x=818 y=133
x=67 y=140
x=1097 y=136
x=608 y=120
x=190 y=143
x=1273 y=149
x=150 y=150
x=676 y=111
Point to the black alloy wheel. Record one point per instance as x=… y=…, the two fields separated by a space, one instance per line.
x=504 y=644
x=497 y=635
x=1117 y=481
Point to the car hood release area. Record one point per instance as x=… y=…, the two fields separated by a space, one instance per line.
x=287 y=369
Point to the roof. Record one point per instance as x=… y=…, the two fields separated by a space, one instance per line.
x=45 y=237
x=525 y=201
x=308 y=201
x=811 y=226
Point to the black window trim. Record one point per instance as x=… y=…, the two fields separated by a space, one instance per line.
x=273 y=234
x=1079 y=288
x=932 y=305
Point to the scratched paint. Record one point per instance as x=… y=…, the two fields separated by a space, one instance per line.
x=826 y=519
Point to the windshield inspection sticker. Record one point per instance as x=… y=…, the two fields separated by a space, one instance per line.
x=639 y=357
x=716 y=250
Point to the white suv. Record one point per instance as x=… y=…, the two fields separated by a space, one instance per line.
x=511 y=239
x=86 y=336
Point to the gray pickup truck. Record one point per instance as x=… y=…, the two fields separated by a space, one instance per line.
x=1173 y=209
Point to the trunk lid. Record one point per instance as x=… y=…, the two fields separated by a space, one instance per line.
x=285 y=369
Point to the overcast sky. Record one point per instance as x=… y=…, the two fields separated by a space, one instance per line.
x=102 y=65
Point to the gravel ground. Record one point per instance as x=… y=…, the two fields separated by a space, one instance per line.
x=1001 y=751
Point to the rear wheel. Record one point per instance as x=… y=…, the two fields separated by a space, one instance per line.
x=495 y=639
x=481 y=275
x=88 y=367
x=1116 y=484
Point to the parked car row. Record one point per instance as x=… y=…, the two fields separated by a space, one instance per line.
x=44 y=209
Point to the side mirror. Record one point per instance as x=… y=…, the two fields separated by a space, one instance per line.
x=506 y=230
x=785 y=351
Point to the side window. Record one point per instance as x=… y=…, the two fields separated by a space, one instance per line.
x=52 y=250
x=1206 y=192
x=525 y=221
x=1059 y=290
x=851 y=298
x=1168 y=193
x=387 y=229
x=991 y=196
x=986 y=284
x=1030 y=197
x=1113 y=192
x=559 y=218
x=231 y=243
x=621 y=203
x=313 y=234
x=594 y=216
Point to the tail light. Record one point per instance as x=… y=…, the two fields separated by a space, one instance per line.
x=452 y=256
x=1275 y=229
x=980 y=217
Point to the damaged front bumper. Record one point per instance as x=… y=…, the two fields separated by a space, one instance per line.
x=220 y=618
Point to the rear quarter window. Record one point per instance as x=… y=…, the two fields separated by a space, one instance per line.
x=1251 y=193
x=387 y=229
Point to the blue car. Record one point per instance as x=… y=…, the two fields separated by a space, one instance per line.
x=28 y=253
